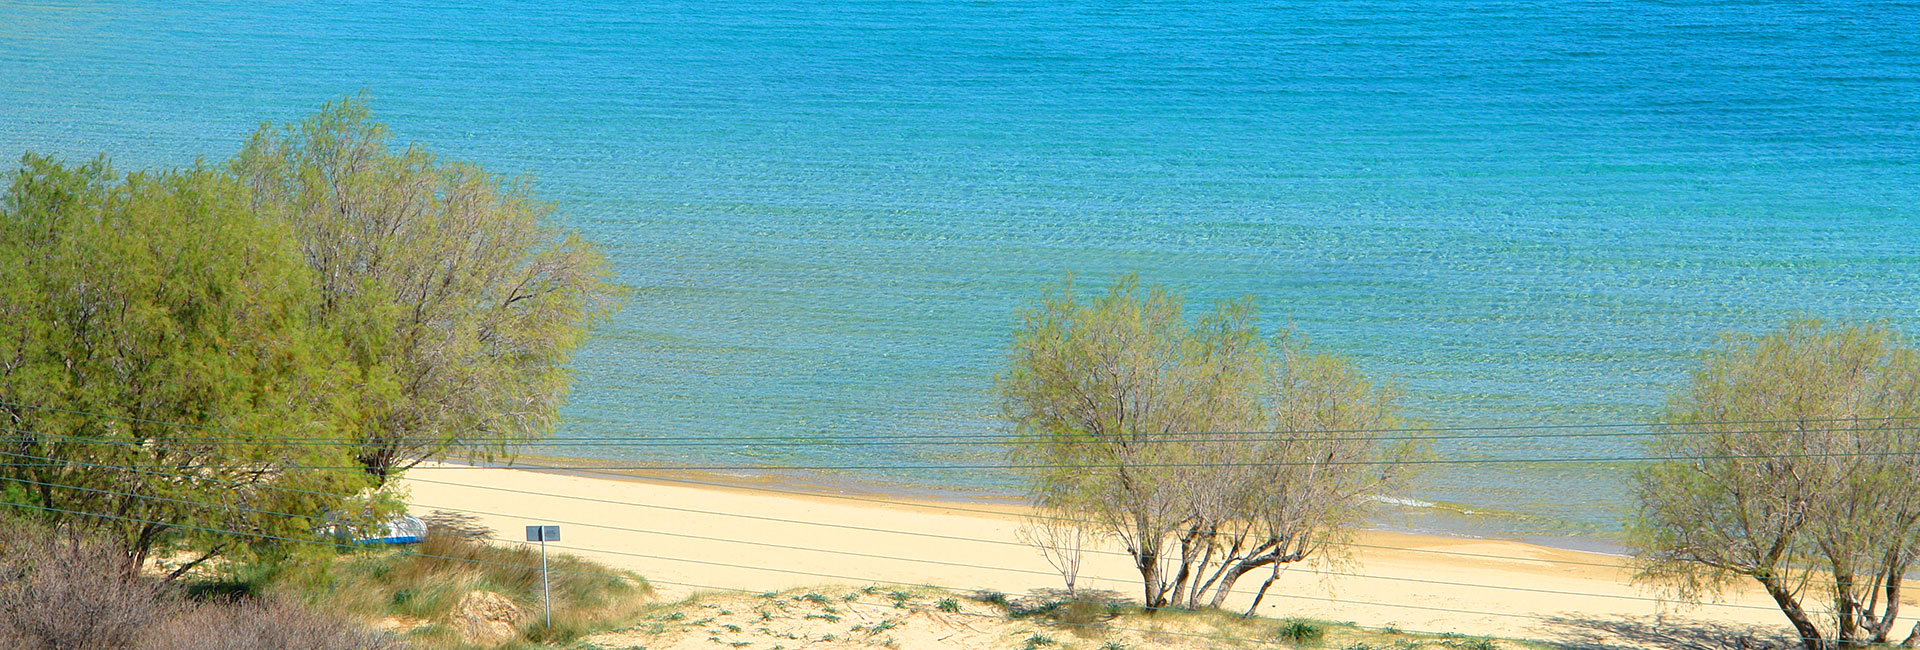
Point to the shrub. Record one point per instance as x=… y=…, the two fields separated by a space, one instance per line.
x=62 y=591
x=253 y=625
x=1299 y=632
x=1076 y=613
x=428 y=581
x=992 y=598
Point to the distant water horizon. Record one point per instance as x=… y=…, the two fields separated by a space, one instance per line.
x=1521 y=214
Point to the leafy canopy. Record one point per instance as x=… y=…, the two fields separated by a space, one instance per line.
x=457 y=298
x=167 y=325
x=1207 y=449
x=1794 y=462
x=164 y=335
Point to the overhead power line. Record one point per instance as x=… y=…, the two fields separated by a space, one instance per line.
x=482 y=562
x=1415 y=433
x=819 y=574
x=662 y=558
x=1568 y=460
x=757 y=488
x=1302 y=437
x=813 y=549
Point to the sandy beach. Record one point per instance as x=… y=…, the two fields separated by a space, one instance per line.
x=690 y=538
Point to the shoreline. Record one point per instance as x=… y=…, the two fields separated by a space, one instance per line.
x=702 y=533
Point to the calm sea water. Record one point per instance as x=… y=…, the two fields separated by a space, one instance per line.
x=1521 y=213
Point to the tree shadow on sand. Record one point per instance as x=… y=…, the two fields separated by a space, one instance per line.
x=1657 y=634
x=1095 y=596
x=1084 y=612
x=457 y=524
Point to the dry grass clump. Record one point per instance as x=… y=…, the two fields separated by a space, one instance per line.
x=61 y=591
x=245 y=625
x=427 y=581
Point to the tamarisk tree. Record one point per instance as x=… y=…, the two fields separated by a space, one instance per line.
x=1137 y=422
x=155 y=358
x=1793 y=460
x=458 y=297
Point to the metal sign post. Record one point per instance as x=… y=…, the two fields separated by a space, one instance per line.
x=544 y=534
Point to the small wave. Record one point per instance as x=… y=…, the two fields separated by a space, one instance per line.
x=1404 y=502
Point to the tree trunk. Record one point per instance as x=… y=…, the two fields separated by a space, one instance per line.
x=1234 y=556
x=141 y=546
x=1199 y=579
x=1149 y=582
x=1891 y=612
x=1225 y=587
x=1186 y=565
x=184 y=568
x=1262 y=593
x=1845 y=610
x=1148 y=562
x=1810 y=637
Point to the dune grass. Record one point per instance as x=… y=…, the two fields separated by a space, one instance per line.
x=886 y=617
x=416 y=589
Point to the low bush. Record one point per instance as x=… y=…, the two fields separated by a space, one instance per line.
x=63 y=591
x=428 y=580
x=60 y=591
x=1081 y=615
x=1298 y=632
x=240 y=625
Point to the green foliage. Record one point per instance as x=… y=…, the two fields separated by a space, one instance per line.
x=159 y=317
x=948 y=605
x=1121 y=402
x=457 y=298
x=993 y=598
x=1080 y=615
x=1299 y=632
x=163 y=334
x=1794 y=463
x=1038 y=641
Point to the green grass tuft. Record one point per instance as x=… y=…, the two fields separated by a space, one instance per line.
x=1299 y=632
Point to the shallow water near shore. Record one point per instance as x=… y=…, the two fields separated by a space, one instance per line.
x=1520 y=213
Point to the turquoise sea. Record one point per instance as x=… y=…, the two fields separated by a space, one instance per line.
x=1523 y=213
